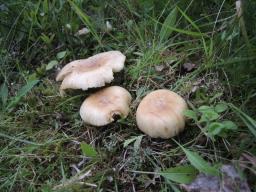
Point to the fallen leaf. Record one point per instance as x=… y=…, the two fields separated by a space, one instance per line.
x=202 y=183
x=232 y=181
x=159 y=68
x=229 y=182
x=189 y=66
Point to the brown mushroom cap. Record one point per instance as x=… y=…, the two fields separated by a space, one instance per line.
x=160 y=114
x=100 y=108
x=92 y=72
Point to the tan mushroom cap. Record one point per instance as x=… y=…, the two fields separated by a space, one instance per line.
x=160 y=114
x=92 y=72
x=100 y=108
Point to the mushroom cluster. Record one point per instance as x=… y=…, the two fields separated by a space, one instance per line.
x=102 y=107
x=159 y=115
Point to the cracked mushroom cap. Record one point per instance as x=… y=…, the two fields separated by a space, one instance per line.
x=92 y=72
x=100 y=108
x=160 y=114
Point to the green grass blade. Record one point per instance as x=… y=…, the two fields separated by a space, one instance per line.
x=22 y=92
x=169 y=21
x=35 y=12
x=19 y=140
x=248 y=121
x=188 y=19
x=182 y=31
x=197 y=28
x=86 y=20
x=4 y=93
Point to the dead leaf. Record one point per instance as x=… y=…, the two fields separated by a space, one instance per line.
x=202 y=183
x=229 y=182
x=189 y=66
x=232 y=181
x=159 y=68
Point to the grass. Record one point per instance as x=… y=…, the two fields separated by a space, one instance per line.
x=41 y=132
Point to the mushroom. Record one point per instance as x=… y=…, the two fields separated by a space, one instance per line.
x=102 y=107
x=160 y=114
x=92 y=72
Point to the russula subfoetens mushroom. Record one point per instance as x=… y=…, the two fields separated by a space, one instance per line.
x=92 y=72
x=160 y=114
x=101 y=107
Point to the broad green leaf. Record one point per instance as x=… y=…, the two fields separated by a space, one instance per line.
x=51 y=64
x=209 y=116
x=88 y=150
x=208 y=113
x=169 y=21
x=4 y=93
x=204 y=108
x=215 y=128
x=22 y=92
x=180 y=174
x=221 y=128
x=199 y=163
x=229 y=125
x=190 y=114
x=61 y=54
x=221 y=107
